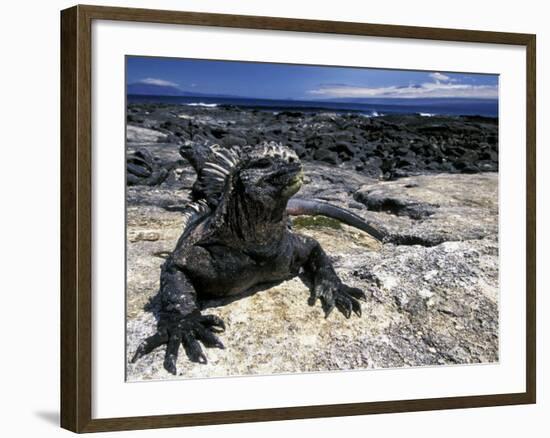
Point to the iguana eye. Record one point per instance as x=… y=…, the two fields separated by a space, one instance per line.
x=262 y=164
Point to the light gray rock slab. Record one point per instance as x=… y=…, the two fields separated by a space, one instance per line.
x=137 y=134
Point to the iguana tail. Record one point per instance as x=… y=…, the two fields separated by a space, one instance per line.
x=296 y=207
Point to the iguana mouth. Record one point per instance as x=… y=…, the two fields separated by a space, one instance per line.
x=297 y=179
x=294 y=184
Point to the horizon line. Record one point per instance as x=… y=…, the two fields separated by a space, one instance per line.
x=210 y=96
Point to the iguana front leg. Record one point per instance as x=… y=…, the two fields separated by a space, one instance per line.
x=325 y=283
x=180 y=321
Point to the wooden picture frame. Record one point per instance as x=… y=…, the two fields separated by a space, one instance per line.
x=76 y=218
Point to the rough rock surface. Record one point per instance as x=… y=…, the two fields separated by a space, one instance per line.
x=433 y=288
x=135 y=134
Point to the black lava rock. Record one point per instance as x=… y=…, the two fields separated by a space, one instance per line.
x=388 y=146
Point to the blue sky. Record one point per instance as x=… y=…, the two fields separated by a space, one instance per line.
x=287 y=81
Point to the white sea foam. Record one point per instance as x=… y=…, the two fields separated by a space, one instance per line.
x=372 y=114
x=207 y=105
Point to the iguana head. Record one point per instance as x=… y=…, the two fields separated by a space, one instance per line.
x=257 y=181
x=269 y=175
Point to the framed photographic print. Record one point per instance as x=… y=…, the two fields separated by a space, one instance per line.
x=342 y=224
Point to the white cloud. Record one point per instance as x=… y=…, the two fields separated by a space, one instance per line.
x=427 y=90
x=162 y=82
x=440 y=77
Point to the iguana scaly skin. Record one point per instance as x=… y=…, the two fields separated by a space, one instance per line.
x=237 y=238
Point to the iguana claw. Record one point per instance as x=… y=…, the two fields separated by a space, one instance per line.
x=336 y=294
x=175 y=330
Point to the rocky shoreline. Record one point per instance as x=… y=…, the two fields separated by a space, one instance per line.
x=384 y=147
x=429 y=182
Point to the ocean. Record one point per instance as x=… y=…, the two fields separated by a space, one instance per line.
x=368 y=107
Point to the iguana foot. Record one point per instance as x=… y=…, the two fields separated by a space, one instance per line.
x=188 y=330
x=334 y=293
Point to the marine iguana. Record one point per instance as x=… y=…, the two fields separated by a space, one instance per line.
x=237 y=238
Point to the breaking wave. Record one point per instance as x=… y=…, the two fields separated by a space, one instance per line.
x=207 y=105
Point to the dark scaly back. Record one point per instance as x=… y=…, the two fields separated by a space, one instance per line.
x=214 y=174
x=213 y=165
